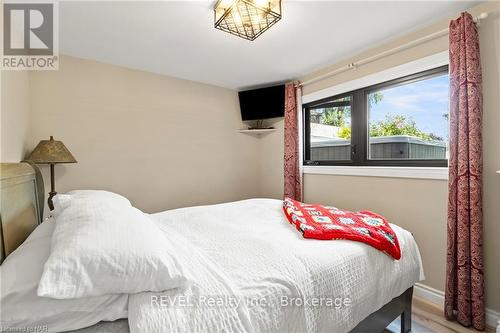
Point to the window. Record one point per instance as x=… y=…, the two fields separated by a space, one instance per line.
x=330 y=126
x=403 y=122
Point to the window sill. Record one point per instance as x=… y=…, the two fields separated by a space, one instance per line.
x=374 y=171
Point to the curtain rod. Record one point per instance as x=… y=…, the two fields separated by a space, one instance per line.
x=355 y=65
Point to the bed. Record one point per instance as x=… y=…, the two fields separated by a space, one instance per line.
x=253 y=250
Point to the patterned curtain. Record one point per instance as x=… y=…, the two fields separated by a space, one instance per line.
x=293 y=186
x=464 y=297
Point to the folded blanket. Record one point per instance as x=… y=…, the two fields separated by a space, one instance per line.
x=323 y=222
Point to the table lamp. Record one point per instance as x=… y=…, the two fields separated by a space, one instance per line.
x=51 y=152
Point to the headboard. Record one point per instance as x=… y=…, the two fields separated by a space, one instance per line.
x=21 y=204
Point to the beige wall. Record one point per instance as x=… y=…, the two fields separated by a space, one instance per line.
x=160 y=141
x=271 y=148
x=15 y=115
x=417 y=205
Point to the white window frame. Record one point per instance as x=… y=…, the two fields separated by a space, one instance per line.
x=413 y=67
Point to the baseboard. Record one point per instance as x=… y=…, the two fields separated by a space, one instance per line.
x=436 y=297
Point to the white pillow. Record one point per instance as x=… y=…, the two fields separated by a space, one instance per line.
x=22 y=308
x=63 y=200
x=102 y=245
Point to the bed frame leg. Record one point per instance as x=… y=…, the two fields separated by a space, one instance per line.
x=406 y=315
x=405 y=322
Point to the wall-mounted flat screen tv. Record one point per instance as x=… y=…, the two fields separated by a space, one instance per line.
x=262 y=103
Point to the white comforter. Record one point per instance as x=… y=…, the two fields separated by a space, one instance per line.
x=248 y=259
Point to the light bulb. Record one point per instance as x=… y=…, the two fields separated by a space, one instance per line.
x=257 y=18
x=237 y=18
x=226 y=3
x=261 y=3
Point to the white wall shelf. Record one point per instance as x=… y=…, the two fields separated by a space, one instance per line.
x=257 y=131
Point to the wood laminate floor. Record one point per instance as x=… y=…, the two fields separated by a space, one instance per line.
x=427 y=318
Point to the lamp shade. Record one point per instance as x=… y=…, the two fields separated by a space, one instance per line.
x=51 y=152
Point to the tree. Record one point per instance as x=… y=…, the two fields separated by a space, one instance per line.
x=391 y=125
x=336 y=116
x=374 y=98
x=345 y=131
x=400 y=125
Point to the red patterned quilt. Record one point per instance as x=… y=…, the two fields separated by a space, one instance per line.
x=323 y=222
